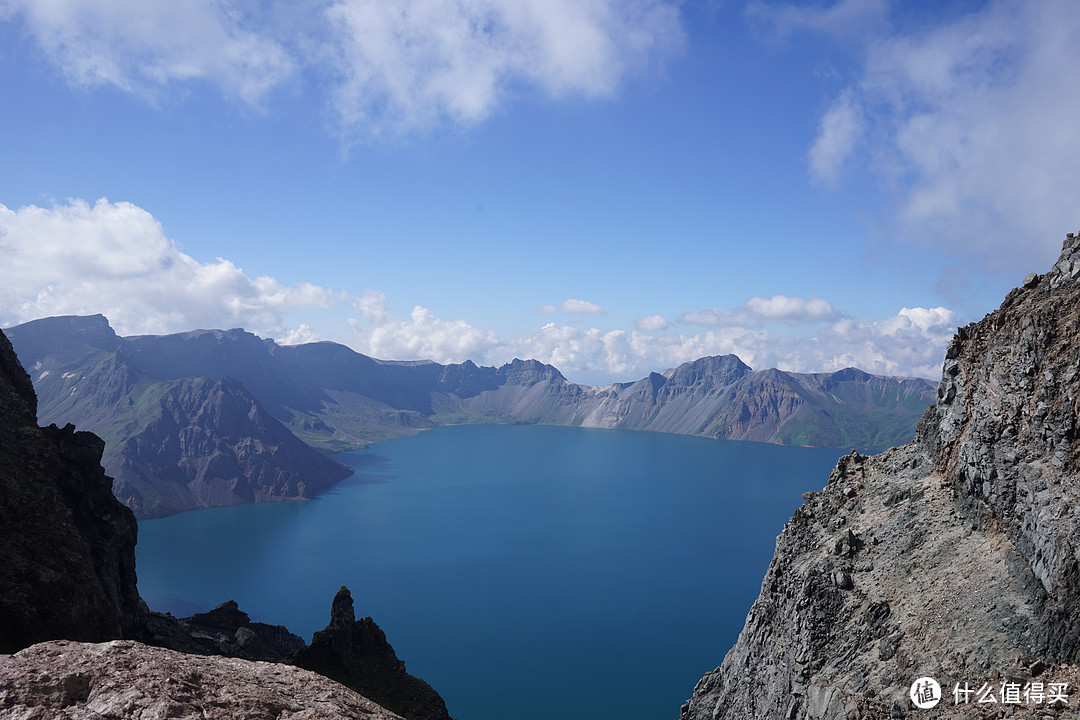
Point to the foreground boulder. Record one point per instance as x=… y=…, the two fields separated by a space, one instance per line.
x=956 y=557
x=125 y=679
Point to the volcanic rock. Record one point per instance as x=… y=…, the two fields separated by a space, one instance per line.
x=957 y=556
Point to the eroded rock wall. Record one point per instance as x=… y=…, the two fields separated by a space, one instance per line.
x=953 y=557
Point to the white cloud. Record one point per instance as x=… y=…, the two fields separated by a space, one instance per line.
x=385 y=68
x=304 y=333
x=911 y=343
x=841 y=128
x=844 y=19
x=582 y=307
x=575 y=307
x=144 y=46
x=421 y=336
x=759 y=312
x=115 y=259
x=414 y=63
x=652 y=323
x=970 y=127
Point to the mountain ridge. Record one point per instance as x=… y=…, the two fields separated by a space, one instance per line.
x=284 y=398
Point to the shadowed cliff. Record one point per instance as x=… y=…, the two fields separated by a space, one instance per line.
x=67 y=568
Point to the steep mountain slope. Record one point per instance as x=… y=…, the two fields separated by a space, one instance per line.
x=721 y=397
x=955 y=557
x=171 y=444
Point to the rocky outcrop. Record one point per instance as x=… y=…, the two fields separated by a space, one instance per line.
x=224 y=630
x=67 y=547
x=125 y=679
x=954 y=557
x=356 y=653
x=350 y=651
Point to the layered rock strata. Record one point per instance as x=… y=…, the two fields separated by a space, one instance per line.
x=954 y=557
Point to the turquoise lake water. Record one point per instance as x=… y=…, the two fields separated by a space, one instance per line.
x=526 y=572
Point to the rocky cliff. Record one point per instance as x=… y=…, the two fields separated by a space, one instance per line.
x=68 y=547
x=954 y=557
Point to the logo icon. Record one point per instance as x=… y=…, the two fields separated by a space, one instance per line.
x=925 y=693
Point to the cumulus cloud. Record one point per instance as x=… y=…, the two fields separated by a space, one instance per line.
x=911 y=343
x=575 y=307
x=413 y=63
x=969 y=127
x=652 y=323
x=115 y=259
x=421 y=336
x=582 y=307
x=142 y=46
x=759 y=312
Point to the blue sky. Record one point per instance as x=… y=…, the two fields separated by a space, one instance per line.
x=613 y=187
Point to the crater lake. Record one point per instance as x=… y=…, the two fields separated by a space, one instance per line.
x=527 y=572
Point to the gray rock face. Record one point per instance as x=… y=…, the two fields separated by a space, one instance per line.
x=1007 y=427
x=125 y=679
x=954 y=557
